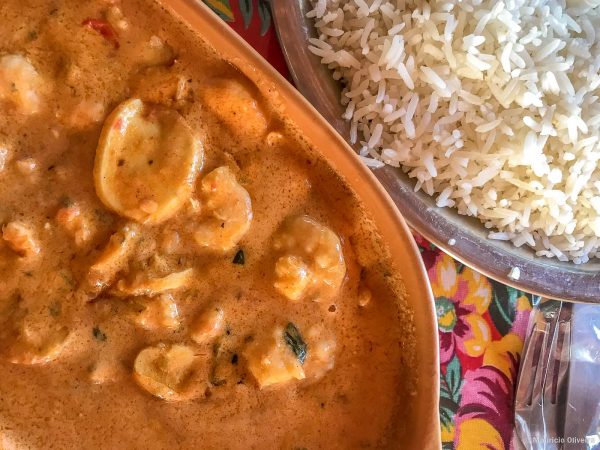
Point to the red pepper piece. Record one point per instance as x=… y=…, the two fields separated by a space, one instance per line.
x=105 y=29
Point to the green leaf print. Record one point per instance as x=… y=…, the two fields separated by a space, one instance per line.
x=450 y=384
x=502 y=308
x=453 y=378
x=264 y=12
x=222 y=8
x=447 y=411
x=513 y=296
x=246 y=8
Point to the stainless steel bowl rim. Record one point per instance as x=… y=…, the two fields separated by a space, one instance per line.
x=464 y=238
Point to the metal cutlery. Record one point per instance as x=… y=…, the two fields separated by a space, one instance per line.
x=541 y=387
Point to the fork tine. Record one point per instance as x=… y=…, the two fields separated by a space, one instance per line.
x=529 y=365
x=560 y=356
x=553 y=366
x=558 y=366
x=529 y=399
x=526 y=412
x=542 y=364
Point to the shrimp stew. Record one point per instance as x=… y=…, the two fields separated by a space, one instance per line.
x=178 y=267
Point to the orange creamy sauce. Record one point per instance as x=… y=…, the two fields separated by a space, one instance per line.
x=74 y=325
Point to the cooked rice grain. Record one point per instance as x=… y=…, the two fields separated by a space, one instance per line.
x=490 y=105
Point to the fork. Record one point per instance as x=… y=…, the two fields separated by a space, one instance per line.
x=539 y=403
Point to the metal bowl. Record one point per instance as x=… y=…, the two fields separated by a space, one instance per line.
x=465 y=238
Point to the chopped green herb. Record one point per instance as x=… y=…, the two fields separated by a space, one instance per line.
x=66 y=201
x=220 y=371
x=138 y=308
x=239 y=258
x=218 y=382
x=67 y=278
x=103 y=216
x=294 y=340
x=32 y=35
x=99 y=334
x=54 y=309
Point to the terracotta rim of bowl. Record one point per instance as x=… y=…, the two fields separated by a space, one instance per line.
x=424 y=425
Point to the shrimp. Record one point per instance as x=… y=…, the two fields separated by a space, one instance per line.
x=76 y=223
x=154 y=313
x=168 y=371
x=20 y=84
x=236 y=106
x=113 y=258
x=143 y=285
x=208 y=325
x=321 y=358
x=28 y=337
x=20 y=239
x=271 y=361
x=311 y=263
x=227 y=211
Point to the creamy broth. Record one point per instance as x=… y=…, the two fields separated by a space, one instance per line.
x=193 y=222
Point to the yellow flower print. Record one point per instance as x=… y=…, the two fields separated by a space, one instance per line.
x=479 y=434
x=448 y=433
x=480 y=291
x=222 y=8
x=502 y=354
x=480 y=335
x=484 y=417
x=461 y=300
x=523 y=304
x=444 y=283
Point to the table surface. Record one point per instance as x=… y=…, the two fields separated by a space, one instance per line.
x=481 y=323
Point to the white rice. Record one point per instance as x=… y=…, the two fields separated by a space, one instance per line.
x=515 y=273
x=491 y=105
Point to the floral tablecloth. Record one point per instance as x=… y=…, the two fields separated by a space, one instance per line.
x=481 y=323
